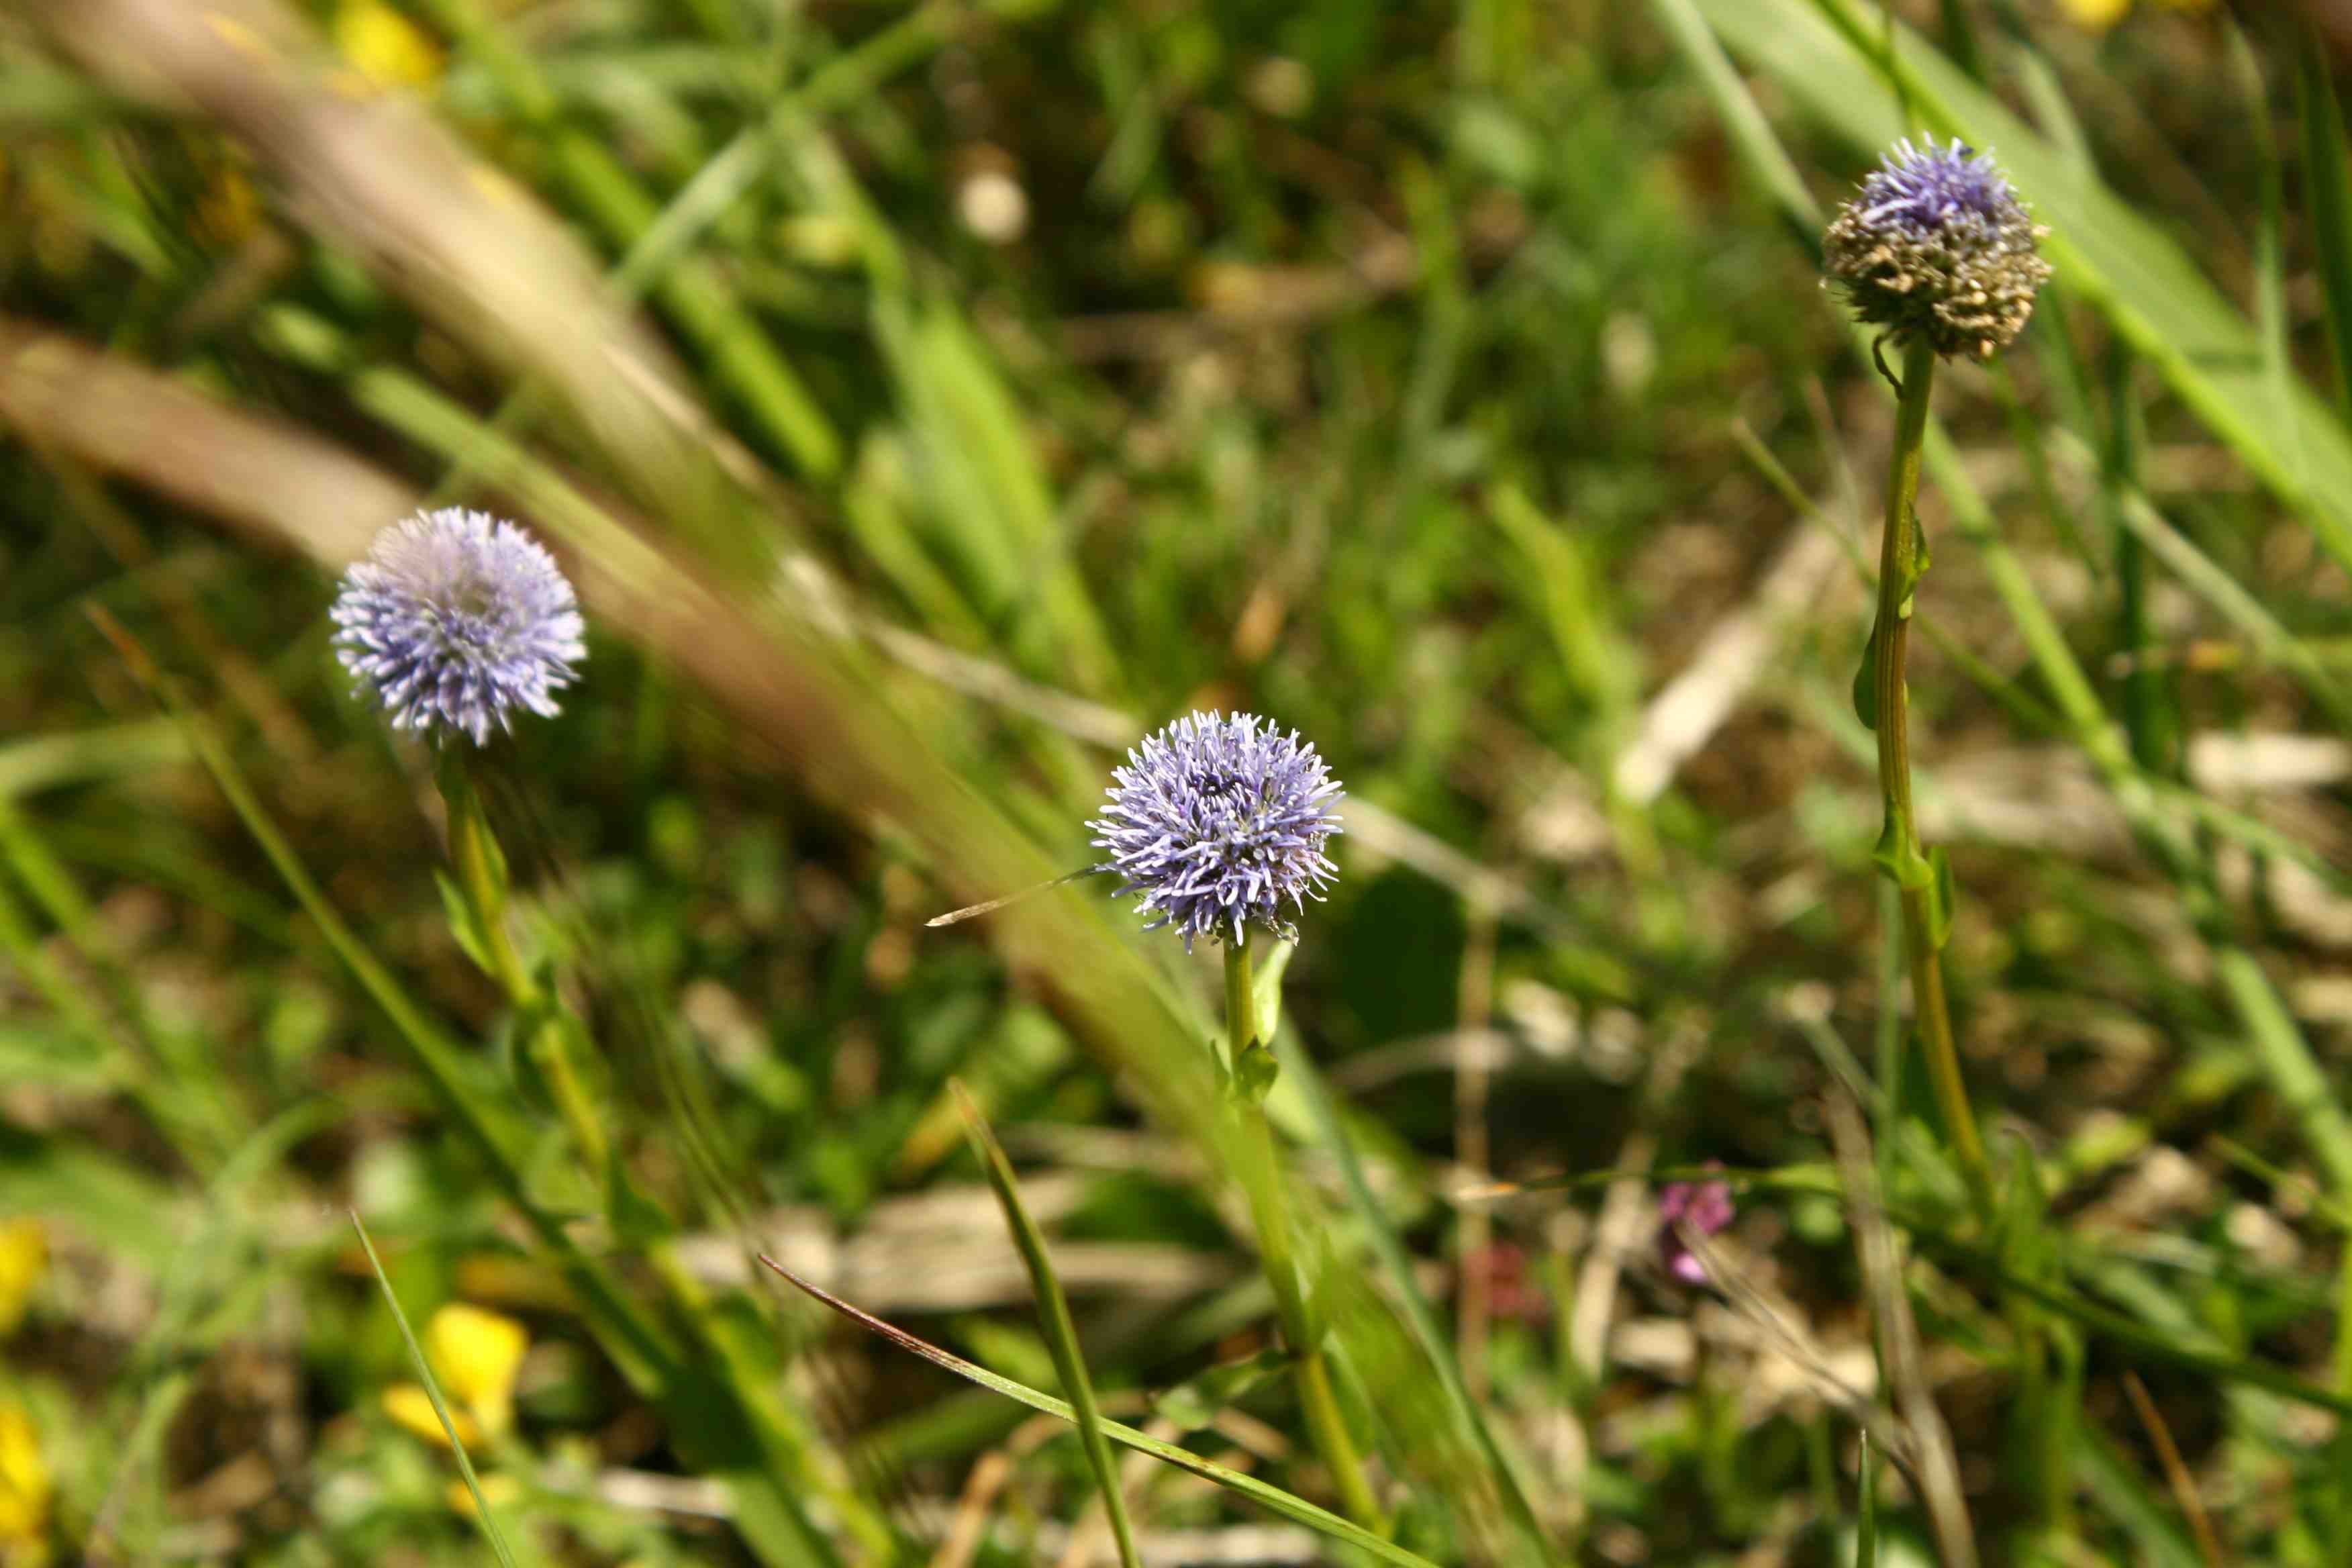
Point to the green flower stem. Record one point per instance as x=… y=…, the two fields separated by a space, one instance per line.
x=1318 y=1399
x=481 y=870
x=1901 y=560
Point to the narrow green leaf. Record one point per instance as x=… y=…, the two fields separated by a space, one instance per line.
x=1054 y=1311
x=1274 y=1499
x=1865 y=1535
x=459 y=913
x=2328 y=191
x=440 y=1406
x=1941 y=899
x=2270 y=320
x=1266 y=984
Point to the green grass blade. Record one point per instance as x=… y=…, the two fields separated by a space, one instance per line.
x=2270 y=239
x=2204 y=577
x=1865 y=1532
x=695 y=293
x=1273 y=1499
x=2327 y=188
x=35 y=763
x=1766 y=159
x=1054 y=1311
x=440 y=1406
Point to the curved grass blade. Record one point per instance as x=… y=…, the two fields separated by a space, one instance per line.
x=433 y=1392
x=1274 y=1499
x=1053 y=1313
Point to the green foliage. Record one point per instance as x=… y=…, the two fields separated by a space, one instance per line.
x=929 y=399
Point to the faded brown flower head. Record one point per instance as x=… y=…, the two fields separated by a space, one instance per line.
x=1938 y=246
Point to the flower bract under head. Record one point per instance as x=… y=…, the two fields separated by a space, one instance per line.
x=1218 y=824
x=1938 y=246
x=455 y=620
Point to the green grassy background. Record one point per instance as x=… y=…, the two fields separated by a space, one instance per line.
x=931 y=400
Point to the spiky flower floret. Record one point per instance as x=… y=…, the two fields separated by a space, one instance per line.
x=1938 y=245
x=456 y=619
x=1217 y=824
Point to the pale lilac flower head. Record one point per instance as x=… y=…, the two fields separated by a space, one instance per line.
x=1705 y=1207
x=1938 y=245
x=455 y=620
x=1217 y=824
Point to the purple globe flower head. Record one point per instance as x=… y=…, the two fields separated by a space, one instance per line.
x=1705 y=1207
x=455 y=620
x=1217 y=824
x=1938 y=247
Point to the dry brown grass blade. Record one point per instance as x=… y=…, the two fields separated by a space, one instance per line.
x=276 y=483
x=458 y=238
x=2176 y=1470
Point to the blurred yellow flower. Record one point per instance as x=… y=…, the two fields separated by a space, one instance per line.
x=498 y=1490
x=2101 y=14
x=386 y=47
x=23 y=1493
x=475 y=1355
x=24 y=1254
x=408 y=1404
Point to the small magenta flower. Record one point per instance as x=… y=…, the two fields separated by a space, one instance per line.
x=1217 y=823
x=1938 y=245
x=456 y=619
x=1705 y=1207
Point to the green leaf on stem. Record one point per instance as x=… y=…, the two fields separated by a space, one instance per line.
x=1255 y=1072
x=1266 y=987
x=1941 y=899
x=1903 y=864
x=459 y=913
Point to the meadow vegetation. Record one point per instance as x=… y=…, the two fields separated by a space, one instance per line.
x=577 y=1148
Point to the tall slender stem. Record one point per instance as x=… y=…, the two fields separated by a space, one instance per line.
x=1270 y=1213
x=1901 y=560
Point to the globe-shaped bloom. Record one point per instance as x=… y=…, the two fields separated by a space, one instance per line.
x=455 y=620
x=1938 y=246
x=1217 y=824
